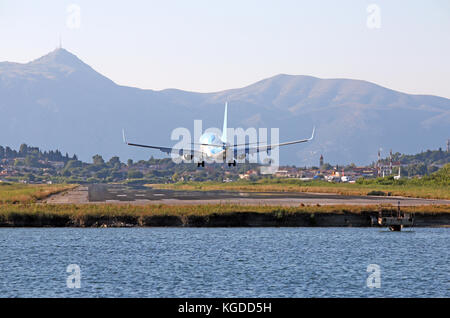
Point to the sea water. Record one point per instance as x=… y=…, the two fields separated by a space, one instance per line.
x=224 y=262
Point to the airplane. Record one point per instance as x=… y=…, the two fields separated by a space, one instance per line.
x=215 y=147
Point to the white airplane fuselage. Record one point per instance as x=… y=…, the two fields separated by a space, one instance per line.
x=213 y=152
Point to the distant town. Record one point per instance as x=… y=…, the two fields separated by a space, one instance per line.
x=32 y=165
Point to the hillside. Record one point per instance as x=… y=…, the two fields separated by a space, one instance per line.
x=58 y=101
x=429 y=157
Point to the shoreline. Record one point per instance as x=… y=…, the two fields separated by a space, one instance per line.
x=114 y=206
x=232 y=216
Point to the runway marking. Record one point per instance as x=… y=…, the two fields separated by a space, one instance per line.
x=131 y=195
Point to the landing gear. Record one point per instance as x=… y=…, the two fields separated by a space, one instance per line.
x=232 y=163
x=201 y=163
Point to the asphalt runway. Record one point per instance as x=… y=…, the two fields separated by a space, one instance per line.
x=105 y=193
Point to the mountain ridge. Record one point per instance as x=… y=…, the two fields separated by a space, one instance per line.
x=65 y=102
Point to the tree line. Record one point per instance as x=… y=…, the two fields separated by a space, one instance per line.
x=25 y=150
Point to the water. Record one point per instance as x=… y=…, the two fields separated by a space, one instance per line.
x=224 y=262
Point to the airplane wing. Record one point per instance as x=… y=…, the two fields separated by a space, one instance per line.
x=168 y=150
x=248 y=148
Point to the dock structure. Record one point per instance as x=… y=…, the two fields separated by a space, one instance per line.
x=395 y=221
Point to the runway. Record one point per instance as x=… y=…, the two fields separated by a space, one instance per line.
x=140 y=195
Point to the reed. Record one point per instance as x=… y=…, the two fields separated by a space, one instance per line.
x=29 y=193
x=113 y=210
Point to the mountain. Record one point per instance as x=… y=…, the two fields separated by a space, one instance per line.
x=58 y=101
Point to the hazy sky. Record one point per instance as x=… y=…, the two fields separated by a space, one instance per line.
x=214 y=45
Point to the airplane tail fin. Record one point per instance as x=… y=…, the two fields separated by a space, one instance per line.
x=225 y=124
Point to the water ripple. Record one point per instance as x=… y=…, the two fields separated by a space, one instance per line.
x=224 y=262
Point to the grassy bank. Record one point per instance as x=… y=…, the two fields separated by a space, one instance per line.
x=91 y=215
x=428 y=191
x=29 y=193
x=200 y=210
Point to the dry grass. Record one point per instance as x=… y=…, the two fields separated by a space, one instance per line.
x=113 y=210
x=29 y=193
x=417 y=191
x=92 y=215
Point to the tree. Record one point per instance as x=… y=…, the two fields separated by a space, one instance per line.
x=431 y=169
x=102 y=174
x=98 y=160
x=73 y=164
x=129 y=162
x=23 y=150
x=114 y=161
x=417 y=169
x=133 y=174
x=117 y=175
x=9 y=153
x=443 y=175
x=31 y=161
x=66 y=173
